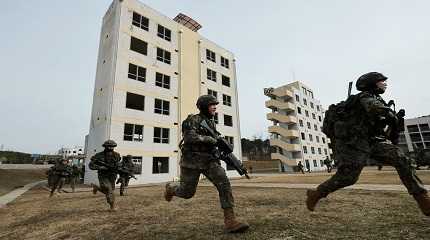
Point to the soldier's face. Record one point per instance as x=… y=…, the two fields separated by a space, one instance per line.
x=382 y=85
x=109 y=149
x=212 y=109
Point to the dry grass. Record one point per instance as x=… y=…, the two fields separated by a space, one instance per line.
x=367 y=177
x=14 y=178
x=272 y=214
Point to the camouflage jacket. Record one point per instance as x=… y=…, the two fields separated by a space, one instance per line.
x=198 y=146
x=367 y=123
x=112 y=160
x=61 y=169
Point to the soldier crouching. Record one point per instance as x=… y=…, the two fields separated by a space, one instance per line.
x=105 y=163
x=199 y=157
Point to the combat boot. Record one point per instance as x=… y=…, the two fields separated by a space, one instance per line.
x=423 y=201
x=94 y=188
x=169 y=192
x=231 y=225
x=313 y=196
x=51 y=194
x=112 y=206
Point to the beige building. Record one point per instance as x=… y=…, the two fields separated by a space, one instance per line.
x=296 y=135
x=416 y=134
x=150 y=71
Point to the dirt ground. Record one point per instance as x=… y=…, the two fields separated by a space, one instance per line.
x=368 y=176
x=15 y=178
x=272 y=213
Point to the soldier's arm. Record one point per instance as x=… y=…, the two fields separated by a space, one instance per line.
x=93 y=164
x=191 y=135
x=374 y=107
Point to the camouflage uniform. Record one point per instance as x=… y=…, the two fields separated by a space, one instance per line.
x=74 y=177
x=328 y=164
x=356 y=142
x=361 y=137
x=300 y=167
x=126 y=164
x=60 y=172
x=201 y=156
x=197 y=158
x=106 y=176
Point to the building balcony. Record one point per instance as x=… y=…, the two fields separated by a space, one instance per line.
x=286 y=146
x=284 y=132
x=284 y=159
x=272 y=103
x=283 y=92
x=281 y=118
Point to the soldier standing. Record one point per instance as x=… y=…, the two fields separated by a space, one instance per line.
x=125 y=175
x=74 y=177
x=300 y=166
x=106 y=163
x=199 y=157
x=362 y=136
x=327 y=162
x=60 y=172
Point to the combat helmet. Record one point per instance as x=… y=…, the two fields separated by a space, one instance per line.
x=204 y=101
x=368 y=81
x=109 y=143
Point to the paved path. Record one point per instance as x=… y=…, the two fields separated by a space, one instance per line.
x=9 y=197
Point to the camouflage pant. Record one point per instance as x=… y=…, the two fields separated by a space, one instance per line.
x=107 y=187
x=190 y=179
x=124 y=184
x=351 y=161
x=73 y=181
x=57 y=183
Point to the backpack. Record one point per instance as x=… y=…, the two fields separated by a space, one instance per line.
x=338 y=112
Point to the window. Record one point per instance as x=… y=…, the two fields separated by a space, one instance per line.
x=161 y=107
x=140 y=21
x=313 y=116
x=139 y=46
x=210 y=55
x=325 y=151
x=321 y=163
x=305 y=102
x=315 y=127
x=319 y=150
x=305 y=149
x=164 y=33
x=301 y=122
x=163 y=55
x=317 y=138
x=323 y=139
x=415 y=137
x=224 y=62
x=304 y=91
x=412 y=128
x=318 y=107
x=303 y=136
x=297 y=98
x=162 y=80
x=313 y=150
x=228 y=120
x=160 y=165
x=309 y=125
x=211 y=75
x=311 y=137
x=137 y=162
x=216 y=118
x=426 y=136
x=161 y=135
x=137 y=73
x=226 y=100
x=213 y=93
x=315 y=163
x=229 y=140
x=135 y=101
x=424 y=127
x=306 y=113
x=312 y=105
x=225 y=81
x=319 y=118
x=299 y=110
x=310 y=94
x=133 y=132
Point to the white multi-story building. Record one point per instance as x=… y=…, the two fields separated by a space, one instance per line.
x=70 y=152
x=296 y=134
x=150 y=71
x=416 y=134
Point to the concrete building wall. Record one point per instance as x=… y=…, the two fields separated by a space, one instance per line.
x=416 y=134
x=187 y=83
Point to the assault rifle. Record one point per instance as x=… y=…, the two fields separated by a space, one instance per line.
x=396 y=126
x=116 y=169
x=226 y=151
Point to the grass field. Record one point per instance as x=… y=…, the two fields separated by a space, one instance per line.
x=272 y=213
x=14 y=178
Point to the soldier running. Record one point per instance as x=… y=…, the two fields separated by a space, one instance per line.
x=199 y=157
x=60 y=172
x=124 y=176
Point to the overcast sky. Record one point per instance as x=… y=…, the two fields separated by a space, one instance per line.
x=48 y=53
